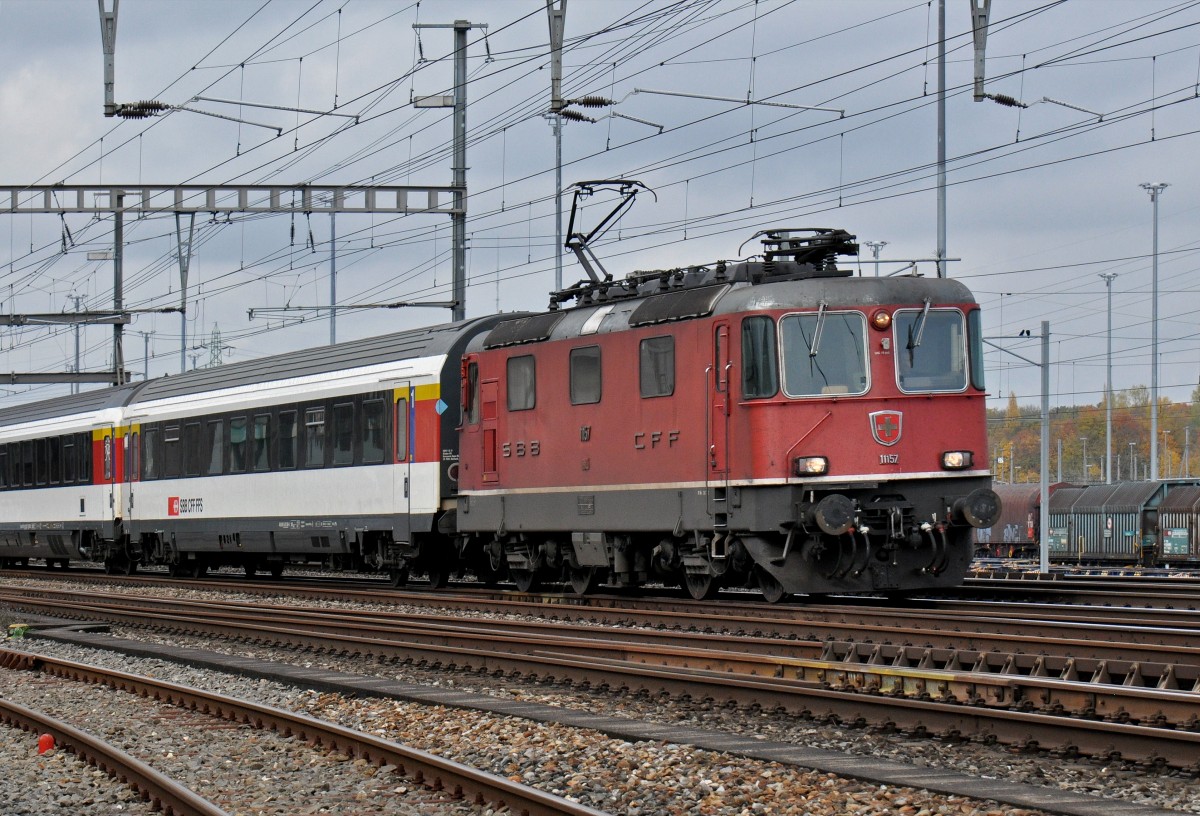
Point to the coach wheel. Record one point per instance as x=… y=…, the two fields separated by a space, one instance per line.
x=197 y=569
x=128 y=566
x=251 y=569
x=584 y=580
x=275 y=569
x=439 y=575
x=701 y=586
x=525 y=579
x=176 y=570
x=398 y=577
x=772 y=591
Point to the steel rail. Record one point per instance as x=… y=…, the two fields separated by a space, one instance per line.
x=632 y=670
x=425 y=768
x=163 y=793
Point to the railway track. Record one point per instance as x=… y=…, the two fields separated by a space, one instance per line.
x=1061 y=701
x=433 y=772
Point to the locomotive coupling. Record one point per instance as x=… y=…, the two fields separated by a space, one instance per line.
x=834 y=514
x=979 y=508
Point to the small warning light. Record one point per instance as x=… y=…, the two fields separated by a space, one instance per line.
x=45 y=743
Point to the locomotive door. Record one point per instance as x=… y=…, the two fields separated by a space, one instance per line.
x=719 y=401
x=402 y=422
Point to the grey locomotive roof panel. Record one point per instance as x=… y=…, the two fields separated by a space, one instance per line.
x=407 y=345
x=680 y=305
x=81 y=403
x=523 y=330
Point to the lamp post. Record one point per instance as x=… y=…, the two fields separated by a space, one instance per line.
x=1108 y=279
x=1132 y=464
x=1155 y=191
x=1086 y=474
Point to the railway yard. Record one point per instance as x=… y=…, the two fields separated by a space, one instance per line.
x=1010 y=697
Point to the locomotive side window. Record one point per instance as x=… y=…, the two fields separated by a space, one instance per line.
x=238 y=455
x=262 y=442
x=373 y=438
x=931 y=350
x=314 y=437
x=656 y=366
x=823 y=354
x=522 y=383
x=287 y=440
x=585 y=375
x=471 y=409
x=975 y=337
x=343 y=433
x=215 y=433
x=760 y=369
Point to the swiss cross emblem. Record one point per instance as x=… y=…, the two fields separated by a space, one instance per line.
x=885 y=426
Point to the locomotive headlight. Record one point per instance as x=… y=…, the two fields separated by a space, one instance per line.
x=810 y=465
x=881 y=320
x=957 y=460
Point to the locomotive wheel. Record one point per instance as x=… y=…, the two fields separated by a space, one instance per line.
x=584 y=580
x=175 y=570
x=772 y=591
x=526 y=580
x=701 y=587
x=251 y=569
x=398 y=578
x=276 y=569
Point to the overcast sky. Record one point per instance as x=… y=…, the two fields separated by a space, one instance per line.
x=1041 y=200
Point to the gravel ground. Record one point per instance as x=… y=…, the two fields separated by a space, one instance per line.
x=505 y=746
x=245 y=771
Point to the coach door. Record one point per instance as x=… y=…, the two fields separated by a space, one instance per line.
x=719 y=405
x=106 y=473
x=403 y=422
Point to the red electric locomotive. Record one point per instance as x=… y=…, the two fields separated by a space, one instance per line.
x=777 y=424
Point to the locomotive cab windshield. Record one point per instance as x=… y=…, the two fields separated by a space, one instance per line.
x=932 y=350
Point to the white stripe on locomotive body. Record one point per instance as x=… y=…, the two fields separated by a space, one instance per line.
x=702 y=485
x=382 y=377
x=319 y=492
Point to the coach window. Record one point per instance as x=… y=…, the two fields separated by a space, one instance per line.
x=656 y=366
x=150 y=454
x=214 y=445
x=55 y=444
x=373 y=438
x=760 y=369
x=262 y=442
x=13 y=474
x=343 y=433
x=191 y=449
x=522 y=383
x=237 y=445
x=68 y=459
x=824 y=353
x=172 y=452
x=129 y=460
x=401 y=430
x=27 y=463
x=585 y=375
x=931 y=350
x=85 y=458
x=287 y=440
x=39 y=458
x=314 y=437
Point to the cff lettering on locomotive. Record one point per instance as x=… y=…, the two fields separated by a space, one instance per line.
x=811 y=431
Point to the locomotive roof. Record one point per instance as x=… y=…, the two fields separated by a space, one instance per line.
x=706 y=292
x=406 y=345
